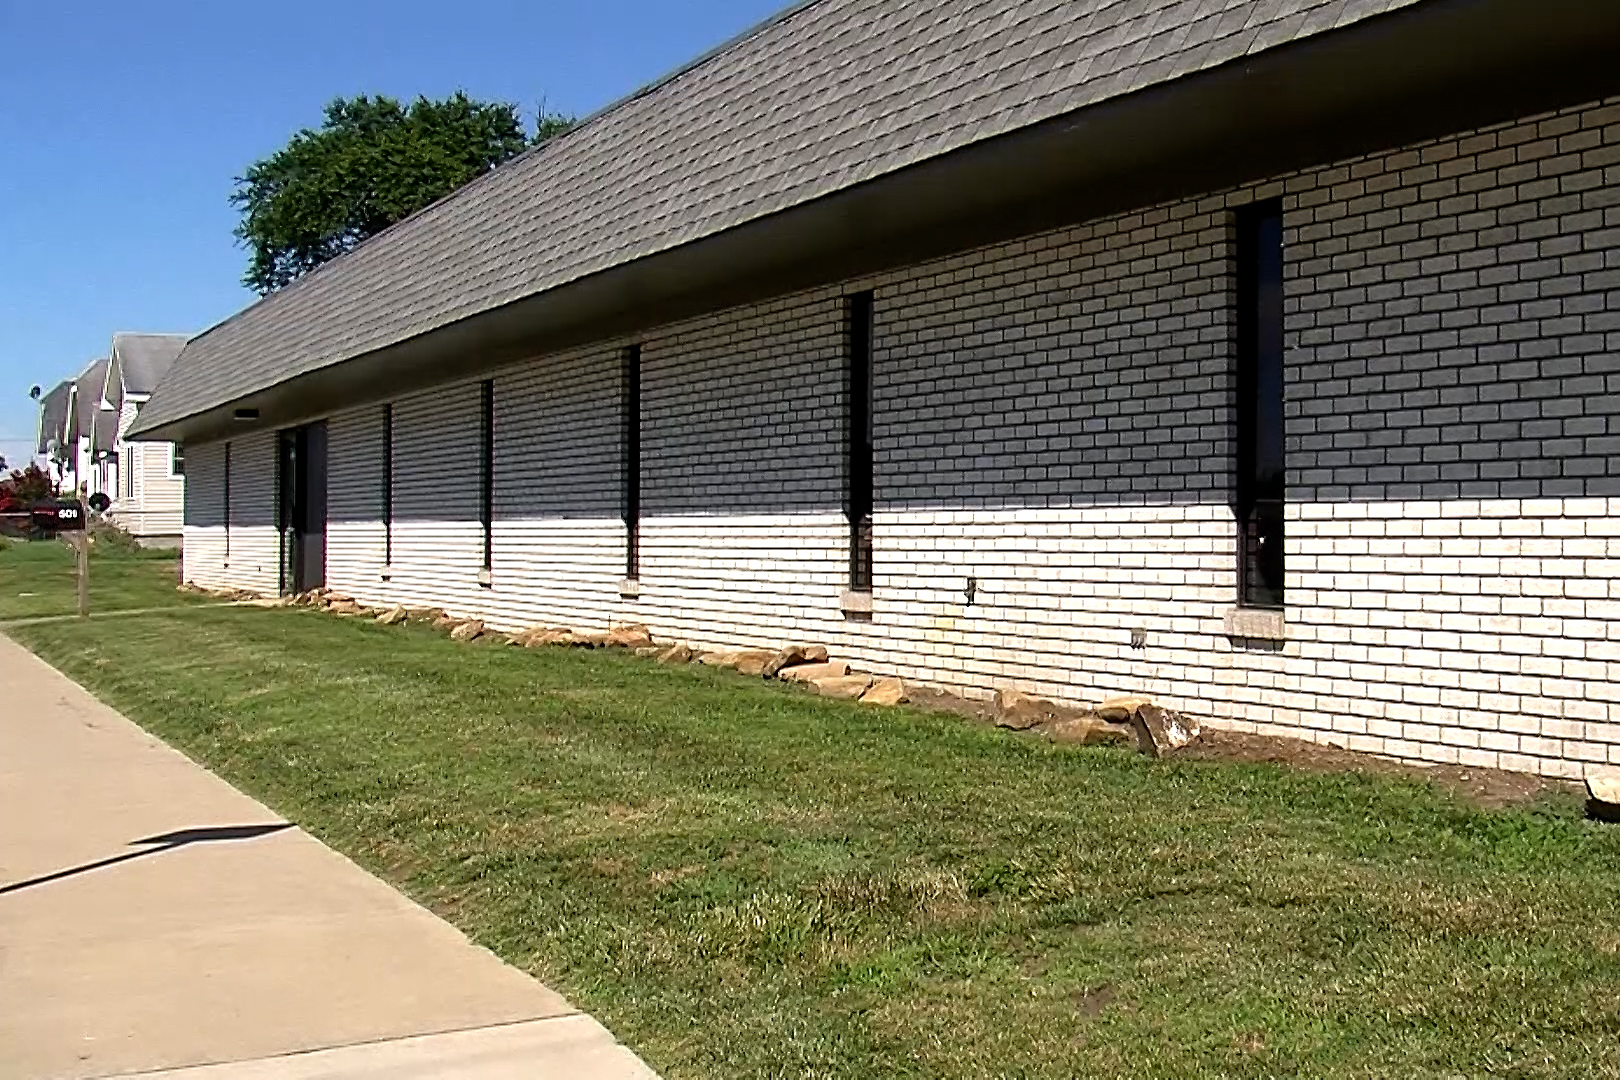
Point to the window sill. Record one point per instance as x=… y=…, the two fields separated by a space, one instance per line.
x=856 y=603
x=387 y=573
x=630 y=588
x=486 y=580
x=1257 y=624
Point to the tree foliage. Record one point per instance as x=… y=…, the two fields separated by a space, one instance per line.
x=372 y=162
x=25 y=487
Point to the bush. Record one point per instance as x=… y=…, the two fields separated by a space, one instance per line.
x=109 y=538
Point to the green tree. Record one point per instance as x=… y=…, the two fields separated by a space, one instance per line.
x=373 y=161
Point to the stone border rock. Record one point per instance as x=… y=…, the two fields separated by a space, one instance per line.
x=1154 y=730
x=1137 y=721
x=1603 y=795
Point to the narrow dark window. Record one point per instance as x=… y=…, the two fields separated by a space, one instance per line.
x=631 y=385
x=177 y=460
x=1260 y=466
x=227 y=502
x=388 y=483
x=858 y=437
x=486 y=466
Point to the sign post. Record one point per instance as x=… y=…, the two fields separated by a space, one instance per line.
x=81 y=549
x=59 y=516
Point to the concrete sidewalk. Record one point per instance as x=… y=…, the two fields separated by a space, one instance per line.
x=154 y=920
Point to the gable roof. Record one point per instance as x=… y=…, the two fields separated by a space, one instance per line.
x=143 y=359
x=87 y=399
x=53 y=411
x=827 y=95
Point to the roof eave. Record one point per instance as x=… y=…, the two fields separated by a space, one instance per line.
x=1417 y=73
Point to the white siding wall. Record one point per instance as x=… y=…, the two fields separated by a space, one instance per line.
x=128 y=496
x=1054 y=418
x=149 y=499
x=159 y=494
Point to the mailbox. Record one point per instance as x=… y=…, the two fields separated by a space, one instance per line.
x=58 y=516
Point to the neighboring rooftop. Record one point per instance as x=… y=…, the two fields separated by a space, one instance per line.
x=53 y=411
x=143 y=359
x=87 y=398
x=822 y=98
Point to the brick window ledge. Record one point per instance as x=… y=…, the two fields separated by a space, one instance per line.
x=1256 y=624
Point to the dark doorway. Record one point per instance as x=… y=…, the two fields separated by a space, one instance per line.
x=301 y=465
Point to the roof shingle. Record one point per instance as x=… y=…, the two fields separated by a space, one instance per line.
x=827 y=95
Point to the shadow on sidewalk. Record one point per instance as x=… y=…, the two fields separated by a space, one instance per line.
x=153 y=845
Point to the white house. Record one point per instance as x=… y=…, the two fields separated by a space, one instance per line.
x=145 y=481
x=76 y=465
x=53 y=428
x=1259 y=355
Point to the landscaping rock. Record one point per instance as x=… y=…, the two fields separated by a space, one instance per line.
x=424 y=614
x=792 y=655
x=555 y=635
x=885 y=692
x=470 y=630
x=678 y=653
x=1159 y=731
x=1019 y=711
x=345 y=607
x=717 y=659
x=446 y=622
x=1088 y=730
x=752 y=661
x=649 y=651
x=1603 y=796
x=630 y=636
x=842 y=686
x=1120 y=709
x=596 y=640
x=812 y=672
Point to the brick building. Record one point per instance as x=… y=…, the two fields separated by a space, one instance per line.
x=1259 y=355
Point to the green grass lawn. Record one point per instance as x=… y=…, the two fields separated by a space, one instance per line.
x=743 y=880
x=37 y=579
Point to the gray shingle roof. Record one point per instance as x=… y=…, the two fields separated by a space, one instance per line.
x=828 y=95
x=53 y=409
x=87 y=398
x=105 y=436
x=143 y=359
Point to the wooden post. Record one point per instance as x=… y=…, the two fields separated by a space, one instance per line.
x=81 y=549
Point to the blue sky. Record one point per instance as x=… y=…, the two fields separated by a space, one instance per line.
x=123 y=124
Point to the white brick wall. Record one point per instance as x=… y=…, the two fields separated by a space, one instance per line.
x=1053 y=418
x=204 y=538
x=233 y=546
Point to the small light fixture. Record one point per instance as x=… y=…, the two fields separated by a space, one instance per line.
x=246 y=414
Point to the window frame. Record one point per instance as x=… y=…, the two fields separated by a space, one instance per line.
x=227 y=497
x=388 y=482
x=486 y=470
x=177 y=461
x=1260 y=502
x=630 y=392
x=858 y=472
